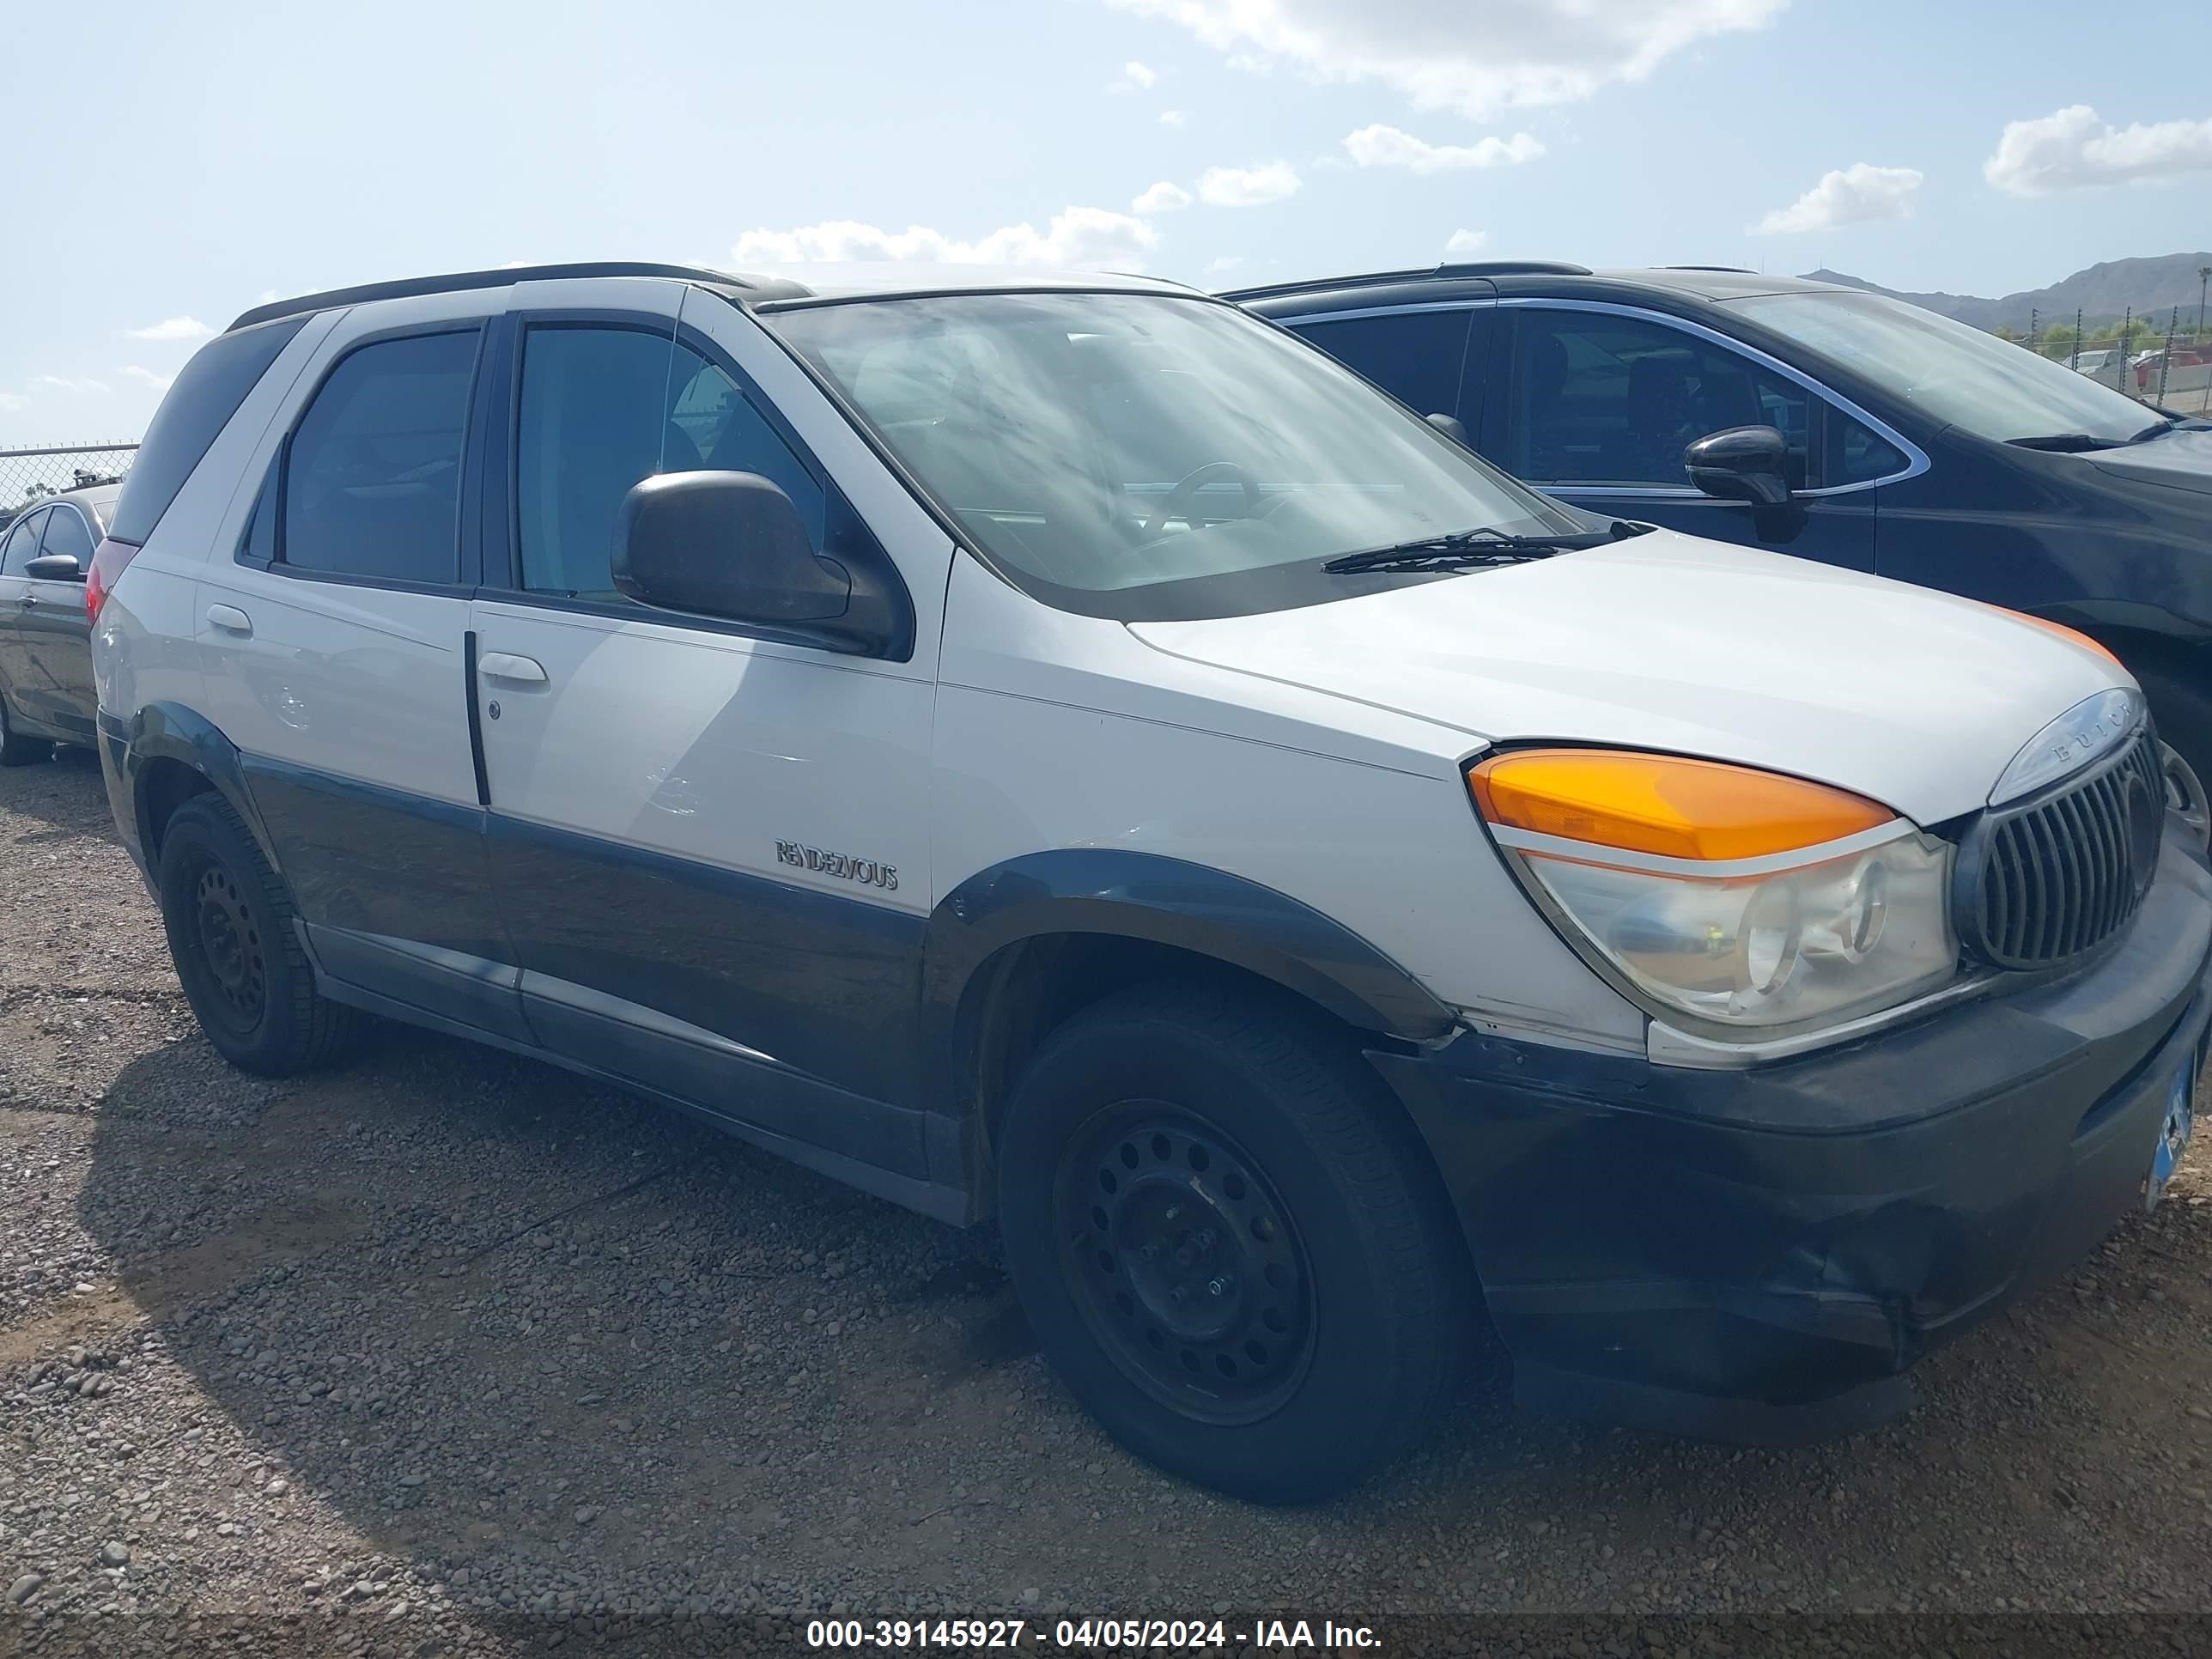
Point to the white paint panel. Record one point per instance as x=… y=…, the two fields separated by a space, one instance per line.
x=710 y=746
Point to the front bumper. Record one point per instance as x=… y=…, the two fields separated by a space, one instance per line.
x=1761 y=1255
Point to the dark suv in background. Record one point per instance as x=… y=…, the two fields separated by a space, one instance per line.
x=1816 y=420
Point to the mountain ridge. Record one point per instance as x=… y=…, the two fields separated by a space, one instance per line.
x=2102 y=293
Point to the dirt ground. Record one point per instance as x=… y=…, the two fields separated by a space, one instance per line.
x=447 y=1351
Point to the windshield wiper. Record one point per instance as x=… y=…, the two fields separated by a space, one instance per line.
x=2170 y=423
x=2065 y=443
x=1462 y=548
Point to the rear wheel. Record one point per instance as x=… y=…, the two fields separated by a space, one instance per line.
x=1230 y=1243
x=230 y=928
x=16 y=749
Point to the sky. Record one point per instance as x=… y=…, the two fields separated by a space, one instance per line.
x=196 y=161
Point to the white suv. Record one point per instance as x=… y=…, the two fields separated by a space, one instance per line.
x=1065 y=751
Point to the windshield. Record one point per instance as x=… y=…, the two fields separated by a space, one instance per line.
x=1109 y=446
x=1952 y=373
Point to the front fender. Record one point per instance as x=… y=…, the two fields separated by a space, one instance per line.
x=1207 y=911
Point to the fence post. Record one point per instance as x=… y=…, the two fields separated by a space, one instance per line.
x=2032 y=330
x=2166 y=357
x=2074 y=356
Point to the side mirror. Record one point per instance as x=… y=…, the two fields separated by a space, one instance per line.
x=732 y=544
x=1742 y=464
x=55 y=568
x=1450 y=425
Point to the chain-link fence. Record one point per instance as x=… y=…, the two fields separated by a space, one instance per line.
x=29 y=476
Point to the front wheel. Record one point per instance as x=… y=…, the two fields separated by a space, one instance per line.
x=1230 y=1243
x=2183 y=710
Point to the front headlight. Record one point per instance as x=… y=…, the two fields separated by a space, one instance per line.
x=1741 y=899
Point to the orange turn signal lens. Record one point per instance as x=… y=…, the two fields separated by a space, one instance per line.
x=1663 y=805
x=2071 y=635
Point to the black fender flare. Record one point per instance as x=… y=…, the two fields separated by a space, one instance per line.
x=169 y=730
x=1192 y=906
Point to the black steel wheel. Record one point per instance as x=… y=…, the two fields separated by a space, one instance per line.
x=1186 y=1263
x=232 y=936
x=1230 y=1240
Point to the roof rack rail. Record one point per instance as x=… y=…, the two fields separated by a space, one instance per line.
x=1515 y=268
x=1732 y=270
x=756 y=287
x=1427 y=273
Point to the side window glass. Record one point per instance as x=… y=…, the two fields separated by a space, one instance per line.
x=1615 y=400
x=1414 y=355
x=602 y=408
x=21 y=545
x=66 y=533
x=373 y=476
x=1855 y=454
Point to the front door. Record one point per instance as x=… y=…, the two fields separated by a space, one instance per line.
x=1596 y=404
x=709 y=848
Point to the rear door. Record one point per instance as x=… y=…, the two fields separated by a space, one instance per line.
x=19 y=675
x=333 y=646
x=55 y=635
x=1595 y=402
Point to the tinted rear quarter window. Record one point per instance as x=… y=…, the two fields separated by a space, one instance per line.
x=66 y=533
x=199 y=405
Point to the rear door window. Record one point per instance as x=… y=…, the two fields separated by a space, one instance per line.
x=1416 y=356
x=198 y=406
x=372 y=474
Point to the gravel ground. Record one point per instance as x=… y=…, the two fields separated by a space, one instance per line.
x=449 y=1351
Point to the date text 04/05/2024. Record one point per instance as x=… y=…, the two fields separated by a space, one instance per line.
x=1089 y=1635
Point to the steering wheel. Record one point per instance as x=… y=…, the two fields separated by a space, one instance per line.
x=1183 y=499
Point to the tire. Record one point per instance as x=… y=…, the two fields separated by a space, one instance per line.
x=2184 y=714
x=1303 y=1333
x=230 y=928
x=16 y=749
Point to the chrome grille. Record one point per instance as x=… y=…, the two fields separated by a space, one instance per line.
x=2058 y=876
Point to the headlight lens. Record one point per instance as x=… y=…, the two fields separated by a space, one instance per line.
x=1854 y=917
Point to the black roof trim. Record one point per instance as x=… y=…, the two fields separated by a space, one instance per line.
x=1434 y=273
x=749 y=288
x=1730 y=270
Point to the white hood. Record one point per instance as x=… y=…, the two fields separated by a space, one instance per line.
x=1913 y=698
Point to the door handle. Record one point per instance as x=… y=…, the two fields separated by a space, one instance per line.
x=515 y=671
x=229 y=619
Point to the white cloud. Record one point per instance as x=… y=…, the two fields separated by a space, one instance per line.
x=1172 y=117
x=1135 y=77
x=1380 y=146
x=145 y=376
x=1445 y=54
x=1223 y=262
x=63 y=383
x=1165 y=197
x=1077 y=237
x=2071 y=147
x=172 y=328
x=1848 y=195
x=1248 y=186
x=12 y=401
x=1465 y=241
